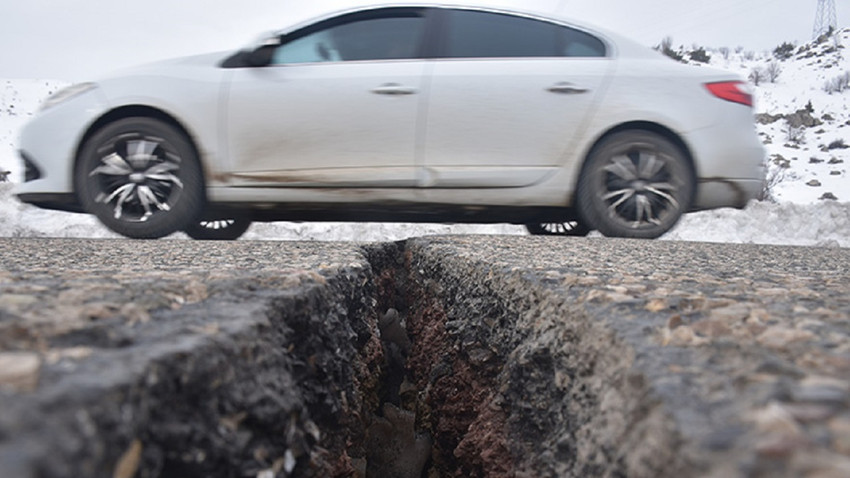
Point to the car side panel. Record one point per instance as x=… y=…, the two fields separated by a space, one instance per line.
x=336 y=124
x=494 y=121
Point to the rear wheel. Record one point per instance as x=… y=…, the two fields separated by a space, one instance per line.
x=141 y=178
x=635 y=184
x=219 y=229
x=569 y=228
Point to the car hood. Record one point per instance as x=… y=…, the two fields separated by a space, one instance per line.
x=212 y=60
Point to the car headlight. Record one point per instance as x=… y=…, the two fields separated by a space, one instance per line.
x=66 y=94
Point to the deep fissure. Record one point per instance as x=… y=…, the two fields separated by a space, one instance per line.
x=413 y=363
x=443 y=387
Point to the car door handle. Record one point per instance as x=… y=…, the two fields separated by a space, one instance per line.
x=567 y=88
x=394 y=89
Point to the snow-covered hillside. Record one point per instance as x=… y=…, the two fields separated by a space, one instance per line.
x=803 y=119
x=805 y=127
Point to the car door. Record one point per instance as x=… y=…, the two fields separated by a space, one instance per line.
x=337 y=105
x=508 y=94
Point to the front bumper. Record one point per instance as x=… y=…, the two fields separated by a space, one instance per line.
x=49 y=143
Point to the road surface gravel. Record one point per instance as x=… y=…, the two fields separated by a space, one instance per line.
x=527 y=356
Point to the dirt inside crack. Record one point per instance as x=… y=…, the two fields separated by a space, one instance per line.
x=437 y=391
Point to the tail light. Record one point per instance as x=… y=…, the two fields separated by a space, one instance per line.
x=734 y=91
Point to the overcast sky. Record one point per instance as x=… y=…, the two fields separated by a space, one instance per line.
x=82 y=39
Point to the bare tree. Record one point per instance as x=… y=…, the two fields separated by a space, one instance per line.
x=772 y=71
x=757 y=75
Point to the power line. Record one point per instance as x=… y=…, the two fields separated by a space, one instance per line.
x=825 y=19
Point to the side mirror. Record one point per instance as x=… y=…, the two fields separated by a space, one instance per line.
x=262 y=54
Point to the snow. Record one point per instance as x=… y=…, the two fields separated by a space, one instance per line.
x=805 y=171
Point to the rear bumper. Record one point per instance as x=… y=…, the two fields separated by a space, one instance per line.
x=715 y=193
x=729 y=161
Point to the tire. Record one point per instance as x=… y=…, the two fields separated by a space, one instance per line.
x=635 y=184
x=569 y=228
x=141 y=177
x=218 y=229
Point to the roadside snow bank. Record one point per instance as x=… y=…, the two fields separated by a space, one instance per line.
x=823 y=224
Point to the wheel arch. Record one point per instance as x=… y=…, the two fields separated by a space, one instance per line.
x=651 y=127
x=140 y=111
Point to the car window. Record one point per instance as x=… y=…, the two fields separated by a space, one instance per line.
x=474 y=34
x=382 y=35
x=580 y=44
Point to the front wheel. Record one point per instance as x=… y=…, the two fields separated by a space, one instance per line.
x=218 y=229
x=569 y=228
x=635 y=184
x=141 y=178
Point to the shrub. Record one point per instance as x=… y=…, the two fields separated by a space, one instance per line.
x=784 y=51
x=757 y=75
x=666 y=47
x=837 y=84
x=794 y=134
x=774 y=176
x=700 y=55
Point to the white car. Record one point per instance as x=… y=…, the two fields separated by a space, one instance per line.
x=402 y=113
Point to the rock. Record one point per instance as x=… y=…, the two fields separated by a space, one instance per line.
x=810 y=413
x=779 y=434
x=828 y=197
x=128 y=464
x=712 y=328
x=766 y=118
x=780 y=161
x=17 y=301
x=734 y=313
x=814 y=183
x=781 y=338
x=19 y=371
x=821 y=390
x=395 y=449
x=840 y=429
x=802 y=118
x=393 y=331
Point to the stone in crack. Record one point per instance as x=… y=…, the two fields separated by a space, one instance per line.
x=392 y=331
x=394 y=449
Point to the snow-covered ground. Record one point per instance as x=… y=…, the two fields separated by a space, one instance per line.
x=807 y=164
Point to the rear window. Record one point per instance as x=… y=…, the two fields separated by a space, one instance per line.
x=474 y=34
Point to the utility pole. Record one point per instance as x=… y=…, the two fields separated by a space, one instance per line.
x=825 y=18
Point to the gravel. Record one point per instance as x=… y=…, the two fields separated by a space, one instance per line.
x=527 y=356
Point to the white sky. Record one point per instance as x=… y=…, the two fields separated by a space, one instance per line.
x=81 y=39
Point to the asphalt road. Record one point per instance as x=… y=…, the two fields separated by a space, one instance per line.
x=596 y=356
